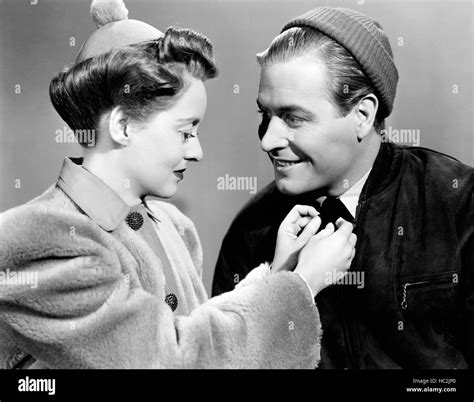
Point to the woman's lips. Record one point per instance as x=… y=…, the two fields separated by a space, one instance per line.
x=179 y=174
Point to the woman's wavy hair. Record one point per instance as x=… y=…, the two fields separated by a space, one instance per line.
x=142 y=79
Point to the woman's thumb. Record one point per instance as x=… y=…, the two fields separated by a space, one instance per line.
x=310 y=229
x=327 y=231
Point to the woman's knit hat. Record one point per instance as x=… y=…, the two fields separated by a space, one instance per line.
x=364 y=38
x=115 y=30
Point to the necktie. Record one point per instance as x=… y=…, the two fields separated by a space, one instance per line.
x=332 y=209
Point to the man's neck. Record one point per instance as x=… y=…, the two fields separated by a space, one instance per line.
x=356 y=173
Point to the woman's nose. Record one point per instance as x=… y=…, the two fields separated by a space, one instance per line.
x=193 y=150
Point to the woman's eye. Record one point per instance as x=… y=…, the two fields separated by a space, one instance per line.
x=186 y=136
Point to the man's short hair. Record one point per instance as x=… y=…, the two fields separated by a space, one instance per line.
x=346 y=82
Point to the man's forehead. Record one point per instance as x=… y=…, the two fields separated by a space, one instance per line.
x=302 y=74
x=291 y=83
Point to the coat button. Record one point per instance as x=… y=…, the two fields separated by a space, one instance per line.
x=172 y=301
x=134 y=220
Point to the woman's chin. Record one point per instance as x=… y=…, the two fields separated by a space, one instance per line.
x=166 y=192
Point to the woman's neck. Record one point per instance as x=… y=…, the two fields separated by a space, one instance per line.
x=108 y=170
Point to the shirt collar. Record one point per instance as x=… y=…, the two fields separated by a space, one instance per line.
x=98 y=201
x=350 y=198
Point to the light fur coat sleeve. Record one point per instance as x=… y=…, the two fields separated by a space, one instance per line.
x=89 y=309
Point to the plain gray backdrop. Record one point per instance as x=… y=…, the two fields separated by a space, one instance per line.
x=433 y=49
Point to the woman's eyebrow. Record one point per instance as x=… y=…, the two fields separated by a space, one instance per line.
x=194 y=120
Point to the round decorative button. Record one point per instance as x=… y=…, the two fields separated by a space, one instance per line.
x=172 y=301
x=134 y=220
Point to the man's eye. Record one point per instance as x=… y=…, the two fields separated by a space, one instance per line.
x=289 y=118
x=263 y=113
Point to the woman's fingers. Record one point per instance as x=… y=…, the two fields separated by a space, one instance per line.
x=353 y=239
x=344 y=228
x=298 y=218
x=328 y=230
x=310 y=229
x=302 y=222
x=299 y=211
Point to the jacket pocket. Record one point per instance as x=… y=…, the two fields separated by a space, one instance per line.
x=413 y=289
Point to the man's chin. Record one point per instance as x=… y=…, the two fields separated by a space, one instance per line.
x=289 y=187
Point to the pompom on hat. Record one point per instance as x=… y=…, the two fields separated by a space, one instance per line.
x=115 y=30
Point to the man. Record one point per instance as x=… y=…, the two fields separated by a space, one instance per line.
x=327 y=83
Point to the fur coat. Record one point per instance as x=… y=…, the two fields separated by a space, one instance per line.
x=99 y=299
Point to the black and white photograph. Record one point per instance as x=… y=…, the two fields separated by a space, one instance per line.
x=270 y=189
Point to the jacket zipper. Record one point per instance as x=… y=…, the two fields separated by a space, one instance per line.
x=345 y=330
x=405 y=286
x=349 y=342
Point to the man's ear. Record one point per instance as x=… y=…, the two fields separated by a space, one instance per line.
x=366 y=111
x=118 y=126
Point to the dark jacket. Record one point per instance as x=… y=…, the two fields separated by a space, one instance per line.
x=415 y=248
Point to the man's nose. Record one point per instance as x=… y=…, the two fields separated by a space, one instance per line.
x=193 y=150
x=275 y=137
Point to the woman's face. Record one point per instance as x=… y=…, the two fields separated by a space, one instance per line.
x=159 y=151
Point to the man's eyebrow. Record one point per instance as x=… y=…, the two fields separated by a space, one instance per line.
x=291 y=109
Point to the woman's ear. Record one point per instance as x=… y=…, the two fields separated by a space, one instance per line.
x=366 y=111
x=118 y=126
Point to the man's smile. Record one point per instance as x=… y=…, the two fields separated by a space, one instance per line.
x=285 y=164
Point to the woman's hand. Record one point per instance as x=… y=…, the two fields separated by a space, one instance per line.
x=326 y=254
x=301 y=223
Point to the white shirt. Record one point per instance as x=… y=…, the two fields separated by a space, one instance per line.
x=350 y=198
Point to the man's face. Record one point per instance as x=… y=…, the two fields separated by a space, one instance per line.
x=310 y=146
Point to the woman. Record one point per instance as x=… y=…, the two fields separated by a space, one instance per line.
x=117 y=277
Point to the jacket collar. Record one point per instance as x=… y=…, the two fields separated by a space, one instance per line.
x=95 y=198
x=385 y=169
